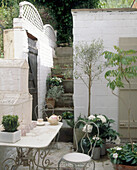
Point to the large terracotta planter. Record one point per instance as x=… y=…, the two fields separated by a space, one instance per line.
x=124 y=167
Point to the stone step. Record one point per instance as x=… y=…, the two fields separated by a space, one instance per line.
x=68 y=85
x=64 y=51
x=66 y=100
x=56 y=111
x=63 y=62
x=66 y=73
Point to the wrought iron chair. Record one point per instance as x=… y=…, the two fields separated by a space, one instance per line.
x=77 y=159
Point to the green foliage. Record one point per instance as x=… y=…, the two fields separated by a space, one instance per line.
x=122 y=66
x=54 y=81
x=124 y=155
x=10 y=123
x=55 y=92
x=67 y=115
x=115 y=3
x=98 y=141
x=9 y=9
x=87 y=60
x=104 y=124
x=61 y=12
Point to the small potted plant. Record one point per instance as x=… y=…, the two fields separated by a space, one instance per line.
x=10 y=134
x=123 y=157
x=54 y=81
x=98 y=145
x=52 y=95
x=68 y=119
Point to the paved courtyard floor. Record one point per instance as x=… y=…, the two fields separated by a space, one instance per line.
x=62 y=148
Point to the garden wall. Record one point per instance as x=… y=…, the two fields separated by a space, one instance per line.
x=109 y=25
x=16 y=43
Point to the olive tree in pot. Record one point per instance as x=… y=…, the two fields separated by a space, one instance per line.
x=87 y=61
x=122 y=71
x=10 y=134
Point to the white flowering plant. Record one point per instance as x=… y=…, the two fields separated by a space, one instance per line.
x=105 y=126
x=123 y=154
x=54 y=81
x=98 y=141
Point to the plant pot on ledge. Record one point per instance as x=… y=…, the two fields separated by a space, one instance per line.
x=50 y=103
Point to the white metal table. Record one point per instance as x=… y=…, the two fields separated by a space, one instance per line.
x=33 y=148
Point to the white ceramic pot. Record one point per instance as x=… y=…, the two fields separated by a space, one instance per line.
x=10 y=137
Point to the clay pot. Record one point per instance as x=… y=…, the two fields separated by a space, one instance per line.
x=124 y=167
x=50 y=103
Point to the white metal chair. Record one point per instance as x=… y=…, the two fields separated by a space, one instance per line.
x=77 y=159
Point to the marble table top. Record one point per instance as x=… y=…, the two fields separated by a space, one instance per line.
x=39 y=137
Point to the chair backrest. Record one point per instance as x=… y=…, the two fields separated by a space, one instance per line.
x=86 y=133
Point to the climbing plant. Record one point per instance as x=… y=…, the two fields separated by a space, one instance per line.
x=61 y=12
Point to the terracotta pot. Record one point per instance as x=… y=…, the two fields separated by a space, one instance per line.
x=50 y=103
x=124 y=167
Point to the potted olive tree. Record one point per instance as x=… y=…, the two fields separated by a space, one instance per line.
x=10 y=134
x=122 y=70
x=87 y=61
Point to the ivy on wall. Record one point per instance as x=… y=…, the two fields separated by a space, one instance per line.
x=61 y=11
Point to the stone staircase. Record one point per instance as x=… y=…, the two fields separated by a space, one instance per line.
x=63 y=68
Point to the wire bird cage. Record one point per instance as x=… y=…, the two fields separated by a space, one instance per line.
x=1 y=41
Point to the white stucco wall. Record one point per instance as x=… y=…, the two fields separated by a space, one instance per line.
x=108 y=25
x=45 y=52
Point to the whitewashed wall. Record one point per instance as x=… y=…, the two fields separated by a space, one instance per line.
x=45 y=52
x=108 y=25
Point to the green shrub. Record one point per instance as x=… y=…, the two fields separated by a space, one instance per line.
x=61 y=11
x=10 y=123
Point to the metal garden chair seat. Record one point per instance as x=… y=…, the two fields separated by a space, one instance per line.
x=77 y=158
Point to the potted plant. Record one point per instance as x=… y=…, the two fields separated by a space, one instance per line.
x=123 y=156
x=86 y=64
x=98 y=146
x=105 y=129
x=53 y=94
x=10 y=133
x=68 y=119
x=122 y=71
x=54 y=81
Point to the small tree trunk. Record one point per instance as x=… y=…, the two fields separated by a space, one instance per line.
x=89 y=93
x=129 y=115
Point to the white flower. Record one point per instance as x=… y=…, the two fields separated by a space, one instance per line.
x=117 y=140
x=96 y=138
x=102 y=118
x=91 y=117
x=87 y=128
x=115 y=155
x=119 y=148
